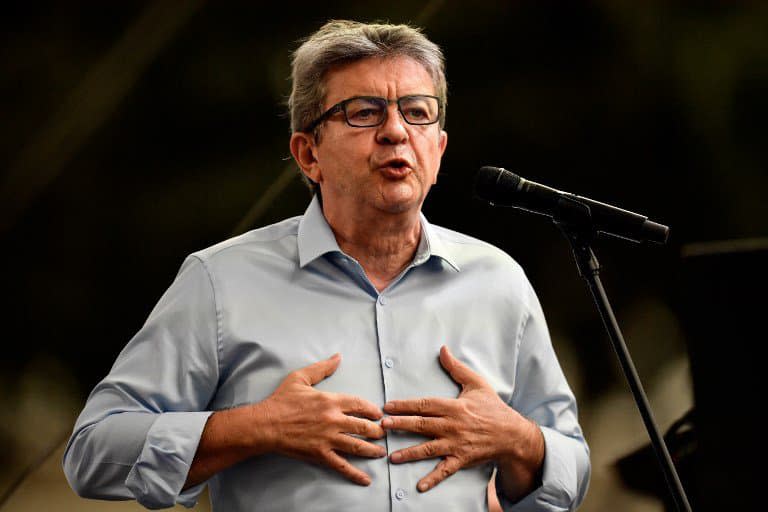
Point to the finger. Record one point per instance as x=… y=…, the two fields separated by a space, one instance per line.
x=314 y=373
x=421 y=406
x=418 y=424
x=355 y=446
x=459 y=371
x=362 y=427
x=428 y=450
x=443 y=470
x=341 y=465
x=351 y=404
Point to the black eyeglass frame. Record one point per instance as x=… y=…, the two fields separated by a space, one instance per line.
x=341 y=107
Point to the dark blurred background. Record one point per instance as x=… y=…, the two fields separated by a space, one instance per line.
x=134 y=133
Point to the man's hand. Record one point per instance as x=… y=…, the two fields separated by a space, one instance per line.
x=475 y=428
x=296 y=420
x=313 y=425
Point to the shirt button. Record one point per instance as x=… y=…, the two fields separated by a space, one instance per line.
x=389 y=363
x=382 y=300
x=400 y=494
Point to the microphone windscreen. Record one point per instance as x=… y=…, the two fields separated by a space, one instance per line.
x=654 y=232
x=496 y=185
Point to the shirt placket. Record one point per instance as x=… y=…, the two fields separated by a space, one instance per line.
x=401 y=488
x=399 y=482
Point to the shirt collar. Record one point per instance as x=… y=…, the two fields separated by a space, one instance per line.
x=315 y=238
x=432 y=245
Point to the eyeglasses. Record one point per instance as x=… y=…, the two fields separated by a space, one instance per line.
x=368 y=111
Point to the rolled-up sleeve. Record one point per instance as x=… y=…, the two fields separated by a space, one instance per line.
x=138 y=432
x=542 y=394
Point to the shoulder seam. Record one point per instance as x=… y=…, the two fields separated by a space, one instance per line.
x=199 y=256
x=451 y=236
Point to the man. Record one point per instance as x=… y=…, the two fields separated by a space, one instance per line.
x=442 y=367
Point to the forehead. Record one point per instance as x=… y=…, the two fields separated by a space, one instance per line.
x=389 y=77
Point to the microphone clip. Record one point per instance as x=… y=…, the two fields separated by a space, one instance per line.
x=574 y=219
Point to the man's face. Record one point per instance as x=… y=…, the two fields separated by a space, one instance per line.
x=390 y=167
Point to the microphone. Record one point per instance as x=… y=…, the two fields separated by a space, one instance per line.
x=501 y=187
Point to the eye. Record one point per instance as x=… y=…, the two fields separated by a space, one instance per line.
x=419 y=109
x=363 y=114
x=417 y=114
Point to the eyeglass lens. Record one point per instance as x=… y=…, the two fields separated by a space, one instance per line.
x=364 y=112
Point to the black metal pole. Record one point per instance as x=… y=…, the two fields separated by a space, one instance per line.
x=580 y=235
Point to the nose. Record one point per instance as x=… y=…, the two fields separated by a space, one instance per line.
x=393 y=129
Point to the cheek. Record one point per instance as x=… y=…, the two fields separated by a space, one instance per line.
x=344 y=151
x=430 y=155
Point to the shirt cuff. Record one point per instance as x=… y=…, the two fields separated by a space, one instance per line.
x=560 y=482
x=157 y=477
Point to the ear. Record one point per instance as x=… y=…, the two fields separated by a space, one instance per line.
x=442 y=143
x=304 y=151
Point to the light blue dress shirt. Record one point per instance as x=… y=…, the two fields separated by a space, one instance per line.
x=244 y=313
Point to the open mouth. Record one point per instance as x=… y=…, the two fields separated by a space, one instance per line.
x=395 y=168
x=397 y=164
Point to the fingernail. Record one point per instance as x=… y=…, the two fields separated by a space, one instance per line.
x=387 y=407
x=386 y=422
x=396 y=457
x=382 y=452
x=423 y=486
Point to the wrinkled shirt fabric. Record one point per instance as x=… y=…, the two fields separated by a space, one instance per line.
x=242 y=314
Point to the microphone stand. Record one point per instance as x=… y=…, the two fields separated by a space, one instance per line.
x=574 y=219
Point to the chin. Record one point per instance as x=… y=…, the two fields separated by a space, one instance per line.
x=396 y=208
x=400 y=199
x=400 y=206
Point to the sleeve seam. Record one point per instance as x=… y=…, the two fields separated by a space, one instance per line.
x=217 y=314
x=518 y=345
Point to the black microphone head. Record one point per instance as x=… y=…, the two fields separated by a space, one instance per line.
x=654 y=232
x=496 y=185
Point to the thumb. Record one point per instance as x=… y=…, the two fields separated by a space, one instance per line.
x=314 y=373
x=459 y=372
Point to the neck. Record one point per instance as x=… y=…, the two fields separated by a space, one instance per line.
x=383 y=243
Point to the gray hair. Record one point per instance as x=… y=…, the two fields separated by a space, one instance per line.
x=341 y=42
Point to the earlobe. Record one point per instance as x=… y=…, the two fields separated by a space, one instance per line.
x=303 y=149
x=443 y=142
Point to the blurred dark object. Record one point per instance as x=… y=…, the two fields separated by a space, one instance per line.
x=640 y=469
x=721 y=302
